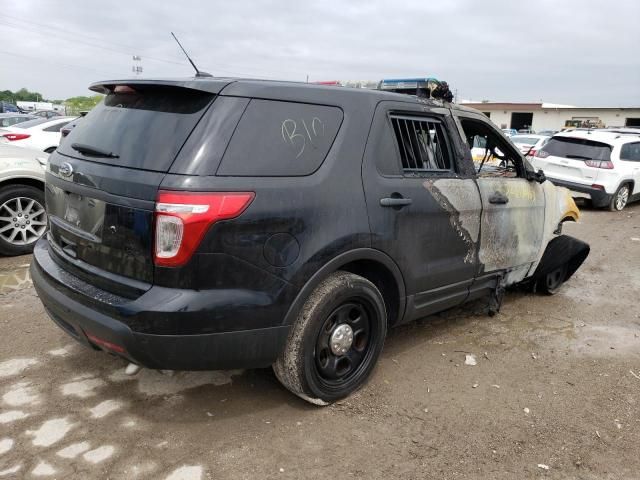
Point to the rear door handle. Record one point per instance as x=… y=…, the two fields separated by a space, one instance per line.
x=498 y=198
x=396 y=202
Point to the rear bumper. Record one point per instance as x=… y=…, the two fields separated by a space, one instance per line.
x=113 y=325
x=599 y=198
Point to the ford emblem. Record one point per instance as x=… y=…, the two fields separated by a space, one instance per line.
x=65 y=169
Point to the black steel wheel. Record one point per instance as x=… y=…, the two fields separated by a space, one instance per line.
x=336 y=340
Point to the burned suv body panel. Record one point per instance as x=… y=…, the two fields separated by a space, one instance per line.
x=330 y=191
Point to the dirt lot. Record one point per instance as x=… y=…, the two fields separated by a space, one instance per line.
x=555 y=393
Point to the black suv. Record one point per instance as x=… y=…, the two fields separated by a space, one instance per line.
x=219 y=223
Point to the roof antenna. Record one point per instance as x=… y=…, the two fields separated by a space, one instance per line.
x=198 y=72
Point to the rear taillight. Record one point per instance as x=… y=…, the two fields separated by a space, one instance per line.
x=607 y=164
x=12 y=137
x=182 y=219
x=541 y=154
x=531 y=153
x=105 y=344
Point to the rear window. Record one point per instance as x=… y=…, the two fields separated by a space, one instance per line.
x=577 y=148
x=524 y=140
x=281 y=139
x=33 y=123
x=145 y=126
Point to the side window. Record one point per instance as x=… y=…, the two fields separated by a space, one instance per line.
x=422 y=144
x=492 y=155
x=55 y=127
x=630 y=152
x=276 y=138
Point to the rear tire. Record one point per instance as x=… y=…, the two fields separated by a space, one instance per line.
x=336 y=340
x=620 y=198
x=23 y=219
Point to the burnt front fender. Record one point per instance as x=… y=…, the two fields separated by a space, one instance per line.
x=562 y=249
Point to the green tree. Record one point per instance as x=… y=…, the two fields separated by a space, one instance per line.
x=75 y=105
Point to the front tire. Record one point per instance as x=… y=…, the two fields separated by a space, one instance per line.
x=23 y=219
x=620 y=198
x=336 y=340
x=552 y=281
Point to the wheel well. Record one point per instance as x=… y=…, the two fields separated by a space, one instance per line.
x=631 y=184
x=383 y=279
x=32 y=182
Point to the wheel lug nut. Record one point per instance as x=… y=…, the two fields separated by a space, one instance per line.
x=15 y=219
x=28 y=222
x=19 y=214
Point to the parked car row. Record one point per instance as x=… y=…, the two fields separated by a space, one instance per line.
x=10 y=119
x=39 y=133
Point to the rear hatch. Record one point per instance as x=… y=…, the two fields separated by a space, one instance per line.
x=570 y=159
x=103 y=179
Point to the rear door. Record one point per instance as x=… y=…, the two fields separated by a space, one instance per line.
x=564 y=158
x=424 y=209
x=630 y=157
x=103 y=180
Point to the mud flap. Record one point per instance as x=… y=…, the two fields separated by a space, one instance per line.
x=561 y=250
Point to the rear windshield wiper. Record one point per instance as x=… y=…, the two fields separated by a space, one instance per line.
x=93 y=151
x=581 y=157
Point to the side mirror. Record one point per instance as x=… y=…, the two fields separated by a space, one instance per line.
x=538 y=176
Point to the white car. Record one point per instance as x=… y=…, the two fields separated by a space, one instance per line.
x=529 y=144
x=41 y=134
x=597 y=164
x=22 y=216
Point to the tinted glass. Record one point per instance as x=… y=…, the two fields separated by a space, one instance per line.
x=145 y=127
x=524 y=140
x=281 y=139
x=578 y=148
x=55 y=127
x=630 y=152
x=33 y=123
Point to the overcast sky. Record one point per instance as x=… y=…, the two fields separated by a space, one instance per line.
x=581 y=52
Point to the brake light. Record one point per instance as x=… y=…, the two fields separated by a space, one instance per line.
x=531 y=153
x=597 y=187
x=103 y=343
x=16 y=136
x=606 y=164
x=182 y=219
x=541 y=154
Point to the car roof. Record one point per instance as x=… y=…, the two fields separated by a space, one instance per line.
x=530 y=135
x=603 y=136
x=274 y=90
x=16 y=114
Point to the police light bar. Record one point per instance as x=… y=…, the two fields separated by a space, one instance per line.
x=408 y=83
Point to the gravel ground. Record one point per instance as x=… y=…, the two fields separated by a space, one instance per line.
x=554 y=393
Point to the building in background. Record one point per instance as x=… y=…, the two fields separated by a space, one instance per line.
x=550 y=116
